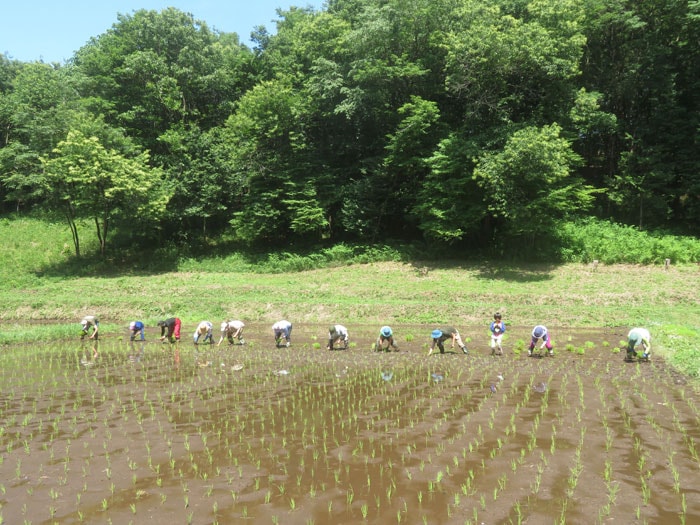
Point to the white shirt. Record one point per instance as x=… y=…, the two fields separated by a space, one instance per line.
x=231 y=326
x=340 y=331
x=204 y=327
x=281 y=325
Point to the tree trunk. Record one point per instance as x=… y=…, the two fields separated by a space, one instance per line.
x=73 y=230
x=101 y=235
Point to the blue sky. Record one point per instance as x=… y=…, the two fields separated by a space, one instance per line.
x=51 y=30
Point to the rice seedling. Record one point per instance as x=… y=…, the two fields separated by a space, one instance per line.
x=308 y=429
x=684 y=508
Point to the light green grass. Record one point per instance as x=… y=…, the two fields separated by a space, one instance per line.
x=41 y=282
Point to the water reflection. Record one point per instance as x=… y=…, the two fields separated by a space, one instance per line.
x=308 y=433
x=136 y=351
x=89 y=352
x=437 y=376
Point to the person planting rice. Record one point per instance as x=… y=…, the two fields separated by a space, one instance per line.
x=540 y=332
x=90 y=321
x=336 y=334
x=440 y=335
x=498 y=328
x=636 y=337
x=232 y=330
x=385 y=341
x=137 y=327
x=173 y=325
x=205 y=329
x=282 y=330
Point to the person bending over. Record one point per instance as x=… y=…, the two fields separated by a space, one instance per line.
x=232 y=330
x=637 y=337
x=205 y=329
x=172 y=325
x=440 y=335
x=385 y=341
x=540 y=333
x=282 y=331
x=336 y=334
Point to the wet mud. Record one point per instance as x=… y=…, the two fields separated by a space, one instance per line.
x=123 y=433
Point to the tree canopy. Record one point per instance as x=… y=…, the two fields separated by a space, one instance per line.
x=455 y=121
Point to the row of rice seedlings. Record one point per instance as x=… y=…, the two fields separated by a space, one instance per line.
x=343 y=416
x=197 y=432
x=681 y=428
x=185 y=440
x=646 y=392
x=612 y=486
x=451 y=464
x=499 y=439
x=579 y=350
x=670 y=439
x=515 y=455
x=405 y=432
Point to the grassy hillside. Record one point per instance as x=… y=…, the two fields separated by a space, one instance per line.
x=42 y=282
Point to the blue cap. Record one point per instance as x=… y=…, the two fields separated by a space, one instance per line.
x=436 y=333
x=386 y=331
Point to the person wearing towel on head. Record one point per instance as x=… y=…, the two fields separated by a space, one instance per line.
x=636 y=337
x=232 y=330
x=90 y=321
x=336 y=334
x=282 y=330
x=385 y=341
x=137 y=327
x=440 y=335
x=540 y=332
x=205 y=329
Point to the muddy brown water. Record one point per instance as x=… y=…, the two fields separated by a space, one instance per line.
x=300 y=435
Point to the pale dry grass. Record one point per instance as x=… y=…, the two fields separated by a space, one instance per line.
x=381 y=292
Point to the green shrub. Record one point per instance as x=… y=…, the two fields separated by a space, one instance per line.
x=594 y=239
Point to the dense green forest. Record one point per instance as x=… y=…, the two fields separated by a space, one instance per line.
x=471 y=123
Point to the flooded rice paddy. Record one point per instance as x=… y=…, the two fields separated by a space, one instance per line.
x=121 y=433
